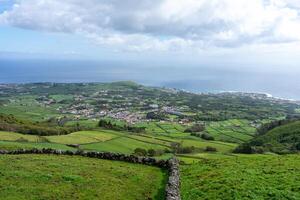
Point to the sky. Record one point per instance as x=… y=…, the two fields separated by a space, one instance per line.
x=248 y=35
x=141 y=28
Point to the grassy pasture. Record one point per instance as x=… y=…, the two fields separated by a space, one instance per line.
x=215 y=176
x=222 y=147
x=114 y=141
x=235 y=130
x=72 y=177
x=28 y=108
x=6 y=145
x=121 y=145
x=11 y=136
x=82 y=137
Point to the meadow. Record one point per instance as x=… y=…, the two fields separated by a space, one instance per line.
x=66 y=177
x=111 y=141
x=234 y=130
x=215 y=176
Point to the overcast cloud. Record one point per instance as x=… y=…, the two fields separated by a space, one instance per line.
x=164 y=25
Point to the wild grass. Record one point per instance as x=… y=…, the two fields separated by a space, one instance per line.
x=72 y=177
x=215 y=176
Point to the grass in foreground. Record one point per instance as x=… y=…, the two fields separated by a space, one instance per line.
x=66 y=177
x=241 y=177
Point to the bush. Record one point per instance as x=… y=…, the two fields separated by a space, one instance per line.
x=210 y=149
x=186 y=150
x=108 y=125
x=178 y=148
x=140 y=152
x=151 y=152
x=195 y=128
x=244 y=148
x=204 y=136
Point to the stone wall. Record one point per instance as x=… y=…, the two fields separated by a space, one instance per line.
x=172 y=165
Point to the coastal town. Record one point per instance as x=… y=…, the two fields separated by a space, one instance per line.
x=133 y=103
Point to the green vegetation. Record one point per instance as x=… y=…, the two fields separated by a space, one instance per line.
x=241 y=177
x=65 y=177
x=282 y=139
x=11 y=136
x=237 y=131
x=203 y=130
x=6 y=145
x=121 y=145
x=103 y=123
x=82 y=137
x=12 y=124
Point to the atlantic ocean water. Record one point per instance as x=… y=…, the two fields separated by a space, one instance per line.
x=197 y=78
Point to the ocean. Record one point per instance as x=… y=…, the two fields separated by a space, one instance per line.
x=195 y=78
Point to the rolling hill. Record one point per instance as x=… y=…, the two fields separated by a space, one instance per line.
x=281 y=139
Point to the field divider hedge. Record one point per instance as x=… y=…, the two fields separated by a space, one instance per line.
x=172 y=189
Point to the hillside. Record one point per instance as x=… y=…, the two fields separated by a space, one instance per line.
x=282 y=139
x=244 y=177
x=201 y=130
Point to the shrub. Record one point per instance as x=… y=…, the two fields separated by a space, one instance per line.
x=244 y=148
x=151 y=152
x=206 y=136
x=108 y=125
x=140 y=152
x=195 y=128
x=185 y=150
x=210 y=149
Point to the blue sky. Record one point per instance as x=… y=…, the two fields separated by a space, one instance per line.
x=237 y=33
x=245 y=45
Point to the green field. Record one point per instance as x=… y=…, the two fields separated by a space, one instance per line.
x=121 y=145
x=234 y=130
x=7 y=145
x=65 y=177
x=213 y=176
x=10 y=136
x=222 y=147
x=82 y=137
x=26 y=108
x=112 y=141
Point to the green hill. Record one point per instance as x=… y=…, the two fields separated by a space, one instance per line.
x=282 y=139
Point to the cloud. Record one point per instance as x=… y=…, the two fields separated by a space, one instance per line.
x=166 y=25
